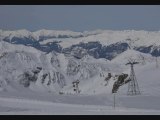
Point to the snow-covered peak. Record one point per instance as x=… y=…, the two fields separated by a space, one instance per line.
x=130 y=55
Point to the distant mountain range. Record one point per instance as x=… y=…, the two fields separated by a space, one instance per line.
x=99 y=44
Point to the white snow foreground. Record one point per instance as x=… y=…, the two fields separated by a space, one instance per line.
x=26 y=101
x=13 y=106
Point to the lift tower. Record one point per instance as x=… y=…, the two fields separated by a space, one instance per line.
x=133 y=88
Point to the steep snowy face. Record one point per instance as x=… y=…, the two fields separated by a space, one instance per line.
x=130 y=55
x=81 y=70
x=27 y=69
x=41 y=71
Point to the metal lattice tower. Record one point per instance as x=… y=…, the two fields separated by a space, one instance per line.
x=133 y=88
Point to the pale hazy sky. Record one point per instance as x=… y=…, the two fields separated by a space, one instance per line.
x=80 y=17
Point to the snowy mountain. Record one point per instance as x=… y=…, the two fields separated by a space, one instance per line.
x=41 y=71
x=99 y=44
x=38 y=69
x=50 y=60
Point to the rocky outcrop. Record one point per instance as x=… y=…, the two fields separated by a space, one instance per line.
x=122 y=79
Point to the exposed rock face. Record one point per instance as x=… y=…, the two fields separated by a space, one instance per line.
x=97 y=50
x=29 y=76
x=119 y=82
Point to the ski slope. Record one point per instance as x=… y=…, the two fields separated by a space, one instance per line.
x=25 y=101
x=16 y=106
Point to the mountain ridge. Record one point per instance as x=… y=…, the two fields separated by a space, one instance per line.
x=98 y=43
